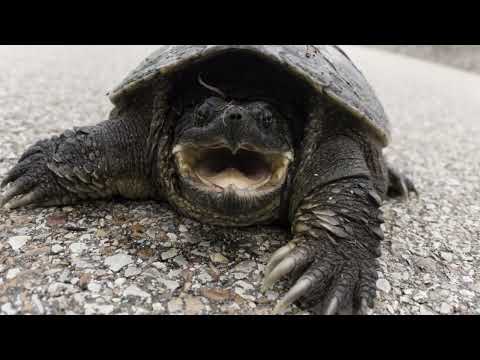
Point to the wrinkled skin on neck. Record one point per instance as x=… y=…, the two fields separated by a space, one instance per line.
x=231 y=161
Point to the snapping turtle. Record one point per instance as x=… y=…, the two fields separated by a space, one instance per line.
x=235 y=135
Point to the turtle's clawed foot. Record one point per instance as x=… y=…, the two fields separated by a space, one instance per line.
x=400 y=185
x=25 y=183
x=30 y=182
x=326 y=282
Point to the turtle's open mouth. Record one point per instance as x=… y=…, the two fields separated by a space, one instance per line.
x=247 y=171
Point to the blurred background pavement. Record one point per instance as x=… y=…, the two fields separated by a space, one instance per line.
x=466 y=57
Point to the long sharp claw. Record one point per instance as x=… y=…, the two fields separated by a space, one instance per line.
x=29 y=152
x=278 y=256
x=27 y=199
x=11 y=176
x=12 y=192
x=298 y=290
x=280 y=271
x=332 y=307
x=406 y=194
x=363 y=308
x=4 y=182
x=411 y=187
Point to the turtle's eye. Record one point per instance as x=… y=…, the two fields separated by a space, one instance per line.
x=266 y=119
x=202 y=115
x=263 y=114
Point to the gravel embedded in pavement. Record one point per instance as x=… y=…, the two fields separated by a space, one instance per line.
x=93 y=259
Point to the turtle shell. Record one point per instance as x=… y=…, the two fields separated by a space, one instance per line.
x=325 y=67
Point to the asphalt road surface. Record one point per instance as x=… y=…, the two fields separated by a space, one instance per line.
x=466 y=57
x=123 y=257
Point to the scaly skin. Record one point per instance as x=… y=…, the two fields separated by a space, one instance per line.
x=95 y=162
x=338 y=189
x=336 y=238
x=335 y=212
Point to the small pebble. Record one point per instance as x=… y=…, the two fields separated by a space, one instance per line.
x=218 y=258
x=57 y=249
x=169 y=284
x=445 y=308
x=172 y=237
x=132 y=271
x=86 y=237
x=120 y=281
x=239 y=276
x=175 y=306
x=159 y=265
x=245 y=266
x=204 y=277
x=180 y=261
x=169 y=254
x=447 y=256
x=84 y=280
x=17 y=242
x=12 y=273
x=420 y=297
x=245 y=285
x=384 y=285
x=94 y=287
x=118 y=261
x=8 y=309
x=158 y=308
x=193 y=305
x=78 y=248
x=134 y=290
x=38 y=304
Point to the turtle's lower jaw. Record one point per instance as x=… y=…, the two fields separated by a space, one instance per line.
x=246 y=171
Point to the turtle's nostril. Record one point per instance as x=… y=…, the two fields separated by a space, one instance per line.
x=235 y=115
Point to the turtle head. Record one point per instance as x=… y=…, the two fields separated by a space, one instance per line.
x=232 y=157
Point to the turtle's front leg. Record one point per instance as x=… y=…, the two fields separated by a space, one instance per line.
x=336 y=218
x=333 y=253
x=85 y=163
